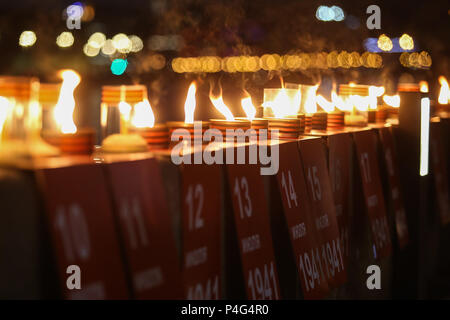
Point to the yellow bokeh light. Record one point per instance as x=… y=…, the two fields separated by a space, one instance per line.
x=97 y=40
x=122 y=43
x=425 y=59
x=108 y=48
x=90 y=51
x=65 y=39
x=406 y=42
x=136 y=43
x=27 y=39
x=385 y=43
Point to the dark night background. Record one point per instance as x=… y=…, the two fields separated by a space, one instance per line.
x=222 y=28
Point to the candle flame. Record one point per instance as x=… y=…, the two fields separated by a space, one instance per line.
x=221 y=106
x=63 y=112
x=393 y=101
x=189 y=105
x=444 y=92
x=423 y=86
x=143 y=116
x=284 y=106
x=248 y=107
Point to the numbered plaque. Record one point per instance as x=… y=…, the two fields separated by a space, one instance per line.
x=340 y=147
x=201 y=209
x=440 y=173
x=297 y=211
x=324 y=213
x=144 y=224
x=82 y=230
x=253 y=230
x=391 y=162
x=366 y=154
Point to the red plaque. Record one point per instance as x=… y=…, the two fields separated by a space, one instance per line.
x=297 y=210
x=370 y=174
x=145 y=227
x=440 y=171
x=82 y=230
x=252 y=220
x=340 y=147
x=391 y=162
x=318 y=184
x=201 y=208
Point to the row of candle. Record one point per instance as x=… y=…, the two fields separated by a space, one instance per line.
x=128 y=123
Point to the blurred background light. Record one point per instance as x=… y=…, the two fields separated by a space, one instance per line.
x=65 y=39
x=338 y=13
x=27 y=38
x=108 y=48
x=118 y=66
x=136 y=43
x=97 y=40
x=90 y=51
x=406 y=42
x=385 y=43
x=334 y=13
x=122 y=43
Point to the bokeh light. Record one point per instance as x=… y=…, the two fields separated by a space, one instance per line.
x=122 y=43
x=406 y=42
x=108 y=48
x=65 y=39
x=385 y=43
x=118 y=66
x=97 y=40
x=90 y=51
x=27 y=39
x=136 y=43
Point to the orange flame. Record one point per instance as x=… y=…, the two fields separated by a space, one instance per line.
x=248 y=107
x=189 y=105
x=423 y=86
x=63 y=112
x=444 y=92
x=282 y=105
x=221 y=106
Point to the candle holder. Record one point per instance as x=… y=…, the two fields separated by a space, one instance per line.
x=258 y=124
x=115 y=123
x=302 y=118
x=381 y=115
x=190 y=127
x=110 y=116
x=157 y=138
x=319 y=121
x=22 y=119
x=80 y=143
x=288 y=128
x=336 y=120
x=223 y=125
x=308 y=122
x=355 y=117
